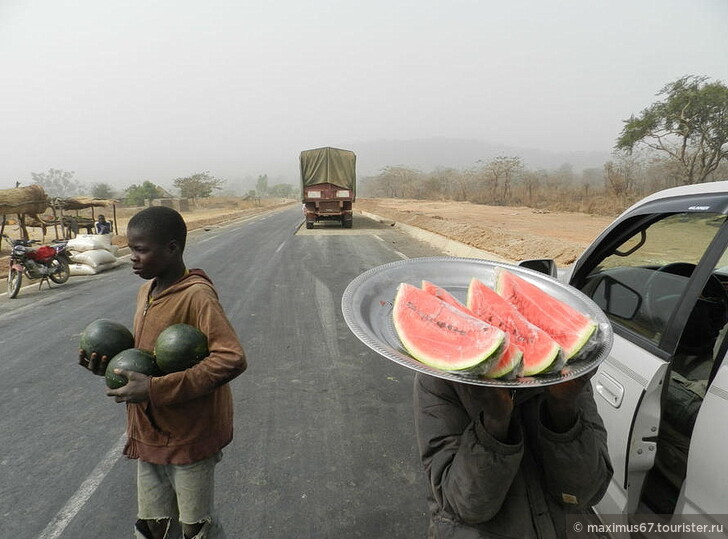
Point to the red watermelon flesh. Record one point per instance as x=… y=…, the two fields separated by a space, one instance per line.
x=566 y=325
x=538 y=348
x=442 y=336
x=445 y=296
x=511 y=356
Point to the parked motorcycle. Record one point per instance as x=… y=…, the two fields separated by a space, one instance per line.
x=44 y=262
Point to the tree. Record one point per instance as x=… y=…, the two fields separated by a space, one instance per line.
x=198 y=185
x=135 y=195
x=58 y=183
x=261 y=185
x=498 y=176
x=282 y=190
x=621 y=173
x=690 y=125
x=102 y=190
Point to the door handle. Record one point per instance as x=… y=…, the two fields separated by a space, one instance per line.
x=610 y=390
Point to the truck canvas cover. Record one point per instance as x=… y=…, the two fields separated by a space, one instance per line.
x=328 y=165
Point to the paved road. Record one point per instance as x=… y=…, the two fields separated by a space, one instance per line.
x=324 y=444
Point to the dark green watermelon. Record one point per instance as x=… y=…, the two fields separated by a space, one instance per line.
x=180 y=347
x=131 y=359
x=106 y=338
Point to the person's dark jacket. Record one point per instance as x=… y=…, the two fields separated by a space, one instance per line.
x=481 y=487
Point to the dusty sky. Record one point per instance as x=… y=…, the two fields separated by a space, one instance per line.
x=137 y=90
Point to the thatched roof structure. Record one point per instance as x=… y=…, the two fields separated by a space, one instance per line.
x=30 y=199
x=80 y=203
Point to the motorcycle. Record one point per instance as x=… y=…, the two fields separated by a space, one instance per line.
x=44 y=262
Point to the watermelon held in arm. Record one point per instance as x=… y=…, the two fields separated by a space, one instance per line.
x=442 y=336
x=106 y=338
x=566 y=325
x=511 y=356
x=179 y=347
x=539 y=350
x=132 y=359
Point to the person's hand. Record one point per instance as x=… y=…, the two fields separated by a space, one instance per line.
x=496 y=405
x=136 y=389
x=561 y=401
x=94 y=363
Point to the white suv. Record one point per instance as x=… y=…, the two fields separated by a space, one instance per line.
x=660 y=273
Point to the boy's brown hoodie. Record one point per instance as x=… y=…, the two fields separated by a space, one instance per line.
x=189 y=414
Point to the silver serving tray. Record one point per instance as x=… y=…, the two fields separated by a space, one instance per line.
x=367 y=309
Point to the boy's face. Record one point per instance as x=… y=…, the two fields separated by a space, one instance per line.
x=150 y=258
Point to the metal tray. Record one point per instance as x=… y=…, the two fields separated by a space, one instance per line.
x=367 y=309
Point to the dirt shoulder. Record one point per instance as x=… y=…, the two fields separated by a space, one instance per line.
x=199 y=218
x=515 y=233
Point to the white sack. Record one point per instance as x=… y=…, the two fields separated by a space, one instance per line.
x=94 y=257
x=88 y=242
x=85 y=269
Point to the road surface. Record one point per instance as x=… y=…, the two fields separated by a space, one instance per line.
x=324 y=441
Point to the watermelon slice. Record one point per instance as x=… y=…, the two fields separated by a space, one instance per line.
x=511 y=356
x=442 y=336
x=539 y=350
x=567 y=326
x=445 y=296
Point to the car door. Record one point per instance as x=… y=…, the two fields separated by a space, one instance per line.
x=645 y=272
x=706 y=474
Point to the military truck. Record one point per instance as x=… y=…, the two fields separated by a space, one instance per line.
x=328 y=185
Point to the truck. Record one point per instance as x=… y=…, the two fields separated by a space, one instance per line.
x=328 y=185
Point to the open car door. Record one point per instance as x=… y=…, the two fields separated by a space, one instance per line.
x=647 y=272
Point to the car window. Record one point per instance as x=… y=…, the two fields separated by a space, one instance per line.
x=639 y=283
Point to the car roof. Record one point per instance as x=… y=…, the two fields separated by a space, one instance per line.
x=684 y=198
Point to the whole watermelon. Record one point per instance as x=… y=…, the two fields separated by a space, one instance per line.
x=131 y=359
x=106 y=338
x=179 y=347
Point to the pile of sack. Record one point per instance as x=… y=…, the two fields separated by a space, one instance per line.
x=92 y=253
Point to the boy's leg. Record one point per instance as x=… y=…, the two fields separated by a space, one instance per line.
x=195 y=487
x=155 y=499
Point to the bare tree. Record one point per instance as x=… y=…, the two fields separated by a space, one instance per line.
x=621 y=173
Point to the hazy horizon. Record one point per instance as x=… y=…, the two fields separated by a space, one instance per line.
x=127 y=92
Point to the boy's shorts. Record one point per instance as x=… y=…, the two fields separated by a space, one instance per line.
x=183 y=491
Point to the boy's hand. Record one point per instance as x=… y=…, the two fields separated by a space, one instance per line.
x=94 y=363
x=135 y=390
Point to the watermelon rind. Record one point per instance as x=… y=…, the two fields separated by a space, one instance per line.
x=488 y=305
x=572 y=329
x=442 y=336
x=131 y=359
x=179 y=347
x=106 y=338
x=509 y=363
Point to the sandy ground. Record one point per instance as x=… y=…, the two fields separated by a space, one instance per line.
x=514 y=233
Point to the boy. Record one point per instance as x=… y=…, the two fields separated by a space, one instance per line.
x=102 y=225
x=177 y=424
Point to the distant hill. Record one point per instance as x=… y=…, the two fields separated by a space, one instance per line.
x=428 y=154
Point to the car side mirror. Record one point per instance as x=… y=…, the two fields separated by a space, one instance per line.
x=617 y=299
x=542 y=265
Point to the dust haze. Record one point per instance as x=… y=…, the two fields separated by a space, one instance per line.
x=134 y=91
